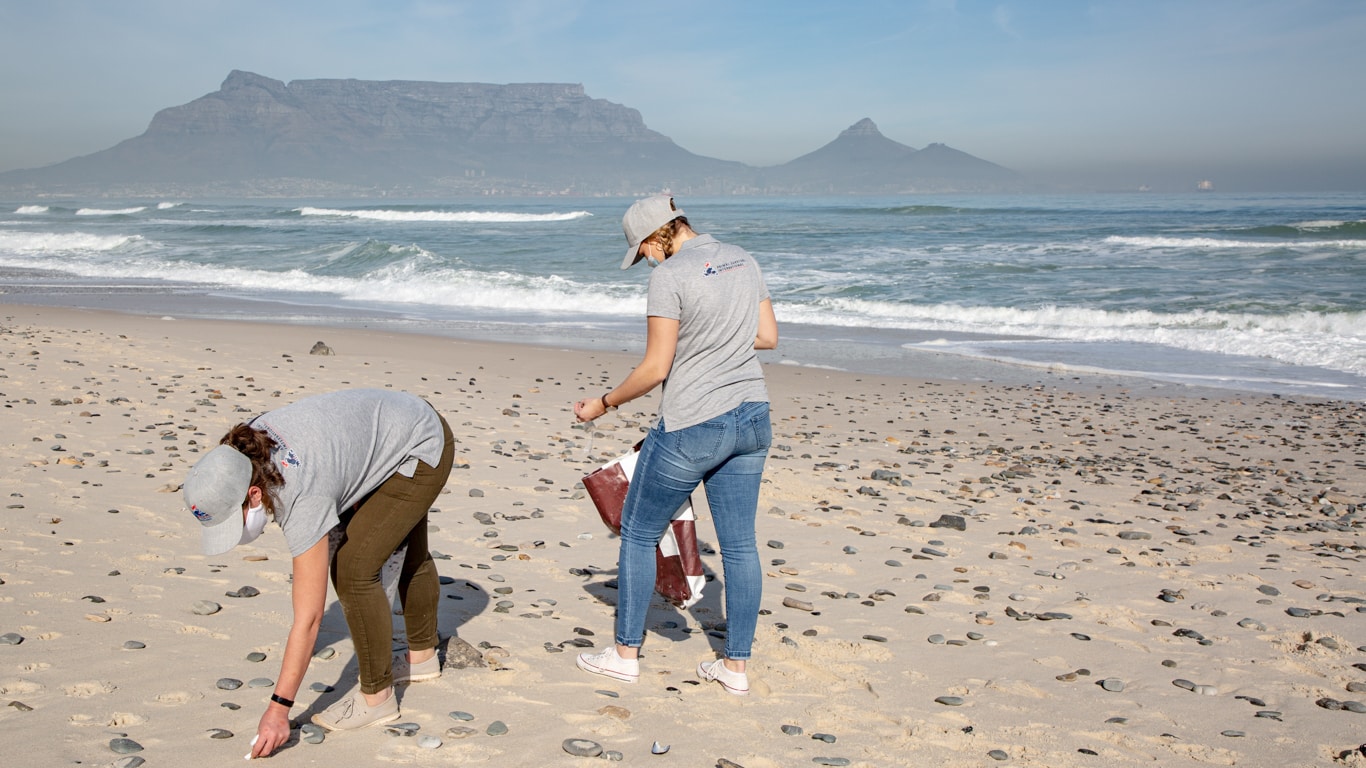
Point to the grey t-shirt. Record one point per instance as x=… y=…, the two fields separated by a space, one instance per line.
x=335 y=448
x=713 y=290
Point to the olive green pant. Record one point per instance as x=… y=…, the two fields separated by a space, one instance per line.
x=393 y=514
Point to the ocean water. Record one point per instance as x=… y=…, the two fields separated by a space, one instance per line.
x=1262 y=293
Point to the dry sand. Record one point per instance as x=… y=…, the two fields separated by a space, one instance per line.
x=1139 y=580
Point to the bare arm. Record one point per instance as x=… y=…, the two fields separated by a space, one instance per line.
x=661 y=342
x=309 y=595
x=767 y=337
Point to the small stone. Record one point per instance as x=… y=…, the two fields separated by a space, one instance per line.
x=460 y=732
x=1114 y=685
x=659 y=749
x=1354 y=706
x=1183 y=683
x=21 y=706
x=955 y=522
x=458 y=715
x=800 y=605
x=256 y=656
x=325 y=654
x=936 y=639
x=828 y=738
x=228 y=684
x=132 y=761
x=998 y=754
x=1232 y=734
x=124 y=746
x=134 y=645
x=836 y=761
x=950 y=701
x=205 y=607
x=429 y=742
x=582 y=747
x=220 y=733
x=320 y=688
x=243 y=592
x=775 y=544
x=496 y=728
x=1252 y=624
x=792 y=730
x=402 y=729
x=11 y=638
x=313 y=734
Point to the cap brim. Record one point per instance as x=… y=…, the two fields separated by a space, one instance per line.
x=632 y=256
x=221 y=538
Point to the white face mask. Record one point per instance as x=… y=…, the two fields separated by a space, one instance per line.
x=254 y=525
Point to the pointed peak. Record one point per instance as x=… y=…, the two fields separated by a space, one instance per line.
x=864 y=127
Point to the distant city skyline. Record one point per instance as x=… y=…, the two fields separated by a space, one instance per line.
x=1251 y=93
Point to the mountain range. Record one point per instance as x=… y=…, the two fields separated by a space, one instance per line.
x=258 y=136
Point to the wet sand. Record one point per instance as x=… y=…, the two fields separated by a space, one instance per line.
x=961 y=574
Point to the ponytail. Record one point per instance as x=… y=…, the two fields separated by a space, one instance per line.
x=256 y=445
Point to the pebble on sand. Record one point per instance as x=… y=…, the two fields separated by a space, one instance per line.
x=582 y=747
x=124 y=746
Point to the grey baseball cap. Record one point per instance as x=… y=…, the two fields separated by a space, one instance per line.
x=642 y=219
x=214 y=491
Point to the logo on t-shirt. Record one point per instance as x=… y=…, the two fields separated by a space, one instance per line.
x=708 y=270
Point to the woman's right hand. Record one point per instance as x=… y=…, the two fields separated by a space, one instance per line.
x=588 y=409
x=272 y=732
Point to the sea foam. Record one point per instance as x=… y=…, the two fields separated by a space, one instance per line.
x=469 y=217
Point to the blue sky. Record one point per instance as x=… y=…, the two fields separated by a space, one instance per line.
x=1117 y=87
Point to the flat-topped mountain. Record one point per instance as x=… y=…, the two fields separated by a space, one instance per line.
x=256 y=135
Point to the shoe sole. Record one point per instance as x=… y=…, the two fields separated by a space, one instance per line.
x=622 y=676
x=703 y=673
x=418 y=678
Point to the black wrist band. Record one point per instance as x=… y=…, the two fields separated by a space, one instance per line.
x=605 y=406
x=282 y=701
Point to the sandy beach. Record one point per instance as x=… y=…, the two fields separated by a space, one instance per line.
x=958 y=574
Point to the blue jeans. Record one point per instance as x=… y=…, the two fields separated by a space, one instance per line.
x=726 y=455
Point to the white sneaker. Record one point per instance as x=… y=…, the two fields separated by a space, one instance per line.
x=406 y=672
x=609 y=664
x=736 y=683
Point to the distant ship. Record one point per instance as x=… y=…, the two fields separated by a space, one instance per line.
x=1205 y=186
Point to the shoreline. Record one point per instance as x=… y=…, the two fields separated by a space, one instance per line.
x=889 y=360
x=956 y=572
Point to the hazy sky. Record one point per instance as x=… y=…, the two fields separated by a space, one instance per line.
x=1125 y=86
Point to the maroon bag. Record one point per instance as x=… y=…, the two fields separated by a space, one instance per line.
x=678 y=564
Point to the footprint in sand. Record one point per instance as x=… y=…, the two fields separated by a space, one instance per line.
x=37 y=666
x=20 y=688
x=177 y=697
x=86 y=690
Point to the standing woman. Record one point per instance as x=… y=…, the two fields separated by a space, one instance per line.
x=708 y=311
x=372 y=460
